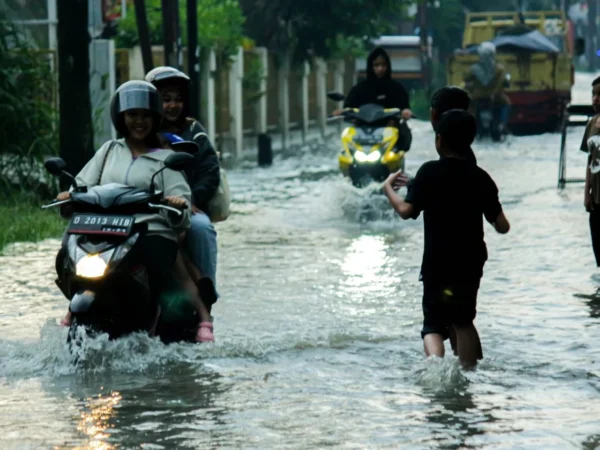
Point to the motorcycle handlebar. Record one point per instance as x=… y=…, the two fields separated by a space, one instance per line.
x=167 y=208
x=56 y=203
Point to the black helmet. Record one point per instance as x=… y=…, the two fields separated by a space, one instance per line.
x=169 y=76
x=135 y=94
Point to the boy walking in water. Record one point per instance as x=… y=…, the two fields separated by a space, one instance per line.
x=591 y=145
x=454 y=195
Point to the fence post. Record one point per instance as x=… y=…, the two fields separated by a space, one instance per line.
x=284 y=100
x=321 y=95
x=211 y=110
x=304 y=100
x=261 y=104
x=52 y=24
x=340 y=70
x=236 y=109
x=136 y=64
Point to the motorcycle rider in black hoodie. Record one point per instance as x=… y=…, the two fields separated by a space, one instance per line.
x=380 y=88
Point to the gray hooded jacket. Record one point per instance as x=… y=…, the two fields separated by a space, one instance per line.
x=121 y=167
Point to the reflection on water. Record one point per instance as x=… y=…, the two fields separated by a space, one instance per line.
x=366 y=257
x=318 y=326
x=593 y=303
x=96 y=419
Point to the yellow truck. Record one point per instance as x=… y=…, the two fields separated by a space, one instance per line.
x=535 y=48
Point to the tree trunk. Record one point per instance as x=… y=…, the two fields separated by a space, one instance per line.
x=76 y=135
x=144 y=34
x=170 y=10
x=193 y=57
x=592 y=35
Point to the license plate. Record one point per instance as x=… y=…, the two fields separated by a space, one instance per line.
x=486 y=116
x=101 y=224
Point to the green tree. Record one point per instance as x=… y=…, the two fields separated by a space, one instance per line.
x=301 y=29
x=220 y=26
x=28 y=119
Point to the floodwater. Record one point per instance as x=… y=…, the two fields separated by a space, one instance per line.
x=318 y=326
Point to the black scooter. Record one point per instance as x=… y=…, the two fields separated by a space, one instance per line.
x=99 y=270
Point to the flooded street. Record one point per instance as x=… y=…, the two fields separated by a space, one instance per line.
x=317 y=329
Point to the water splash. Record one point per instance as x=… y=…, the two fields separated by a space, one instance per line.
x=440 y=374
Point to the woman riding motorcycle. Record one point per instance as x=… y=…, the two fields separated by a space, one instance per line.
x=485 y=81
x=381 y=89
x=136 y=111
x=204 y=179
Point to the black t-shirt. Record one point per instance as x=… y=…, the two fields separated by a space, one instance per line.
x=454 y=195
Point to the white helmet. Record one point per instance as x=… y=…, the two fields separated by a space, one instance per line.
x=486 y=49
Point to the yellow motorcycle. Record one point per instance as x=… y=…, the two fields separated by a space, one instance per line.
x=369 y=146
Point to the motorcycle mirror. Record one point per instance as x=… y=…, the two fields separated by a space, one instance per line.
x=179 y=161
x=185 y=146
x=55 y=166
x=335 y=96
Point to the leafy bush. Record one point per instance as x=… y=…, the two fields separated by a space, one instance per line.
x=220 y=25
x=28 y=115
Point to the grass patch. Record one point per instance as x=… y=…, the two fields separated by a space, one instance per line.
x=22 y=220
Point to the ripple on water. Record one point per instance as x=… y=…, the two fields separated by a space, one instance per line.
x=318 y=327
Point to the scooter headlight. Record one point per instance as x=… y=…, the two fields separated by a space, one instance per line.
x=371 y=157
x=91 y=266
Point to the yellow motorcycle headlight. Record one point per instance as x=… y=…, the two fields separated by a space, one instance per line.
x=371 y=157
x=91 y=266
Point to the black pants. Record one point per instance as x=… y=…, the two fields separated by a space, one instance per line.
x=158 y=254
x=447 y=303
x=595 y=231
x=405 y=139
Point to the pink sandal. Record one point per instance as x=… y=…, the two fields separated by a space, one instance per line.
x=205 y=332
x=67 y=320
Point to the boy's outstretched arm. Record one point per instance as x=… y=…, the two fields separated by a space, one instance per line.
x=501 y=223
x=396 y=181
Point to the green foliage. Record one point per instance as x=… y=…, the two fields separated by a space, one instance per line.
x=34 y=224
x=220 y=24
x=312 y=27
x=28 y=116
x=254 y=74
x=348 y=46
x=127 y=35
x=420 y=103
x=447 y=23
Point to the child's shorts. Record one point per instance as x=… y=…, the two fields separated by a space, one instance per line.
x=448 y=303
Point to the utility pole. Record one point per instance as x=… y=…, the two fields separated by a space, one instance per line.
x=592 y=35
x=193 y=57
x=170 y=12
x=143 y=34
x=178 y=45
x=424 y=38
x=76 y=131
